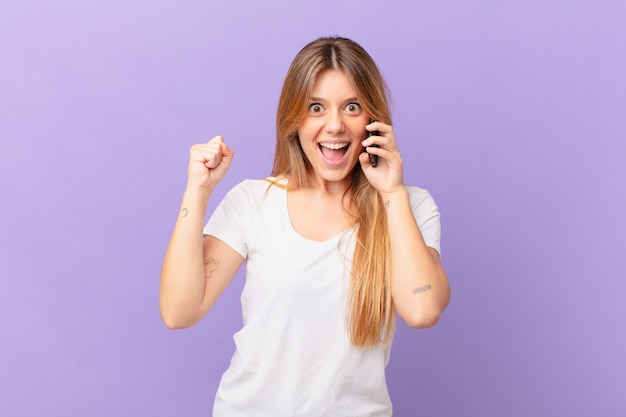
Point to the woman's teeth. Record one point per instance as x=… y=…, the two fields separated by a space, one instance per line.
x=334 y=145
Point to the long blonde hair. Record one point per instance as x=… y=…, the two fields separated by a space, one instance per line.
x=370 y=315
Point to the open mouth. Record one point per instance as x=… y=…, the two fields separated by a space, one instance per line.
x=334 y=152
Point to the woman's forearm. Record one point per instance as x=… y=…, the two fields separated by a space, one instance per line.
x=182 y=275
x=419 y=285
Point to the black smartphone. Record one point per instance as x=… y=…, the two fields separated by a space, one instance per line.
x=373 y=158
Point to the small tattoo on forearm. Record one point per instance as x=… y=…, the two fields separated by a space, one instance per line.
x=420 y=290
x=211 y=266
x=185 y=212
x=387 y=203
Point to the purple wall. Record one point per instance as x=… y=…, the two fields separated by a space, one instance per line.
x=513 y=116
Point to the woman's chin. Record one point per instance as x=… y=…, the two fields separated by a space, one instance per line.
x=334 y=172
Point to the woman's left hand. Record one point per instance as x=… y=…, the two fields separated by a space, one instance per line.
x=387 y=176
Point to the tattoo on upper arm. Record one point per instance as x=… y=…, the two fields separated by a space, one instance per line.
x=185 y=212
x=387 y=203
x=420 y=290
x=211 y=266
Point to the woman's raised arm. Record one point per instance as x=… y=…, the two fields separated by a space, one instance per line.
x=197 y=269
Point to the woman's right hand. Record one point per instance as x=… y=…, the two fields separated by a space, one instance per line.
x=208 y=162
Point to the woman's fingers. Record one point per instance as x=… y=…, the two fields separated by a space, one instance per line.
x=386 y=174
x=209 y=161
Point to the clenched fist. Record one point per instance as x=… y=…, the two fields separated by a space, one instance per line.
x=208 y=162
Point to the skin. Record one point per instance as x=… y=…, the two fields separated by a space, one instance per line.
x=334 y=118
x=197 y=270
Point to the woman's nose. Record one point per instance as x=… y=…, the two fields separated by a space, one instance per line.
x=334 y=122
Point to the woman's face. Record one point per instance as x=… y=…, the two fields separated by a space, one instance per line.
x=333 y=128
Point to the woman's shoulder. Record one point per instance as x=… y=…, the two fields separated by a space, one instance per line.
x=255 y=190
x=259 y=185
x=420 y=198
x=417 y=192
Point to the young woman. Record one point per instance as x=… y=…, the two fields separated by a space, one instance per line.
x=335 y=245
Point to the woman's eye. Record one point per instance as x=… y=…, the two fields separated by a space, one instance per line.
x=315 y=108
x=353 y=107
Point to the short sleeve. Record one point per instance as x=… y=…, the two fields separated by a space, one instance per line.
x=427 y=216
x=227 y=223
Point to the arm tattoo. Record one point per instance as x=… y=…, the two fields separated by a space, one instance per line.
x=211 y=266
x=420 y=290
x=185 y=212
x=387 y=203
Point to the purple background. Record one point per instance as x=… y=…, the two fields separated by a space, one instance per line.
x=513 y=114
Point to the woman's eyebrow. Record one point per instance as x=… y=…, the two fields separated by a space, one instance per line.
x=322 y=99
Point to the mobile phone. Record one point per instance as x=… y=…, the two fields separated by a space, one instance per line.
x=373 y=158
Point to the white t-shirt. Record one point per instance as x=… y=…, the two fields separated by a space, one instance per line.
x=293 y=356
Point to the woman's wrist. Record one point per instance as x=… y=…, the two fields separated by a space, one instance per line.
x=394 y=195
x=196 y=198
